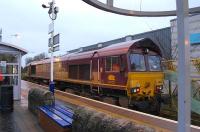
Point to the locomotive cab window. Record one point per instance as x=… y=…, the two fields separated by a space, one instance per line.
x=154 y=63
x=137 y=62
x=112 y=64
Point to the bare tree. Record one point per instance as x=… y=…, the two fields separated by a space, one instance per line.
x=38 y=57
x=28 y=60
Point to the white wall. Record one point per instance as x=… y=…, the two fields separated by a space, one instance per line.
x=194 y=27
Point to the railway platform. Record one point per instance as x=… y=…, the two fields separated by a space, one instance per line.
x=21 y=120
x=157 y=123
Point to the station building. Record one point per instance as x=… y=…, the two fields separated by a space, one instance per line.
x=10 y=66
x=194 y=34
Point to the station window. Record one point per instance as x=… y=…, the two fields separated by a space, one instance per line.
x=9 y=69
x=9 y=58
x=112 y=63
x=10 y=80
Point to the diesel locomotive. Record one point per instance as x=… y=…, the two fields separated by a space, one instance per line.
x=129 y=70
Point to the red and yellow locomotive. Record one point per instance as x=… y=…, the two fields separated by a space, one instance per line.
x=130 y=69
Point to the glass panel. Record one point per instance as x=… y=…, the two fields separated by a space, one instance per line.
x=10 y=80
x=137 y=62
x=9 y=58
x=3 y=67
x=154 y=63
x=12 y=69
x=9 y=69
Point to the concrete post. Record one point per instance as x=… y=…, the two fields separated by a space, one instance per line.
x=184 y=88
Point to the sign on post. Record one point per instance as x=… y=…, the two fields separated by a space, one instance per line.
x=56 y=40
x=51 y=29
x=195 y=38
x=54 y=49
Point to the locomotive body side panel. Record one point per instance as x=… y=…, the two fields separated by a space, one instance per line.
x=114 y=70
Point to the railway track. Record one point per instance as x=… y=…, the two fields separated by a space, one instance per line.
x=172 y=114
x=158 y=123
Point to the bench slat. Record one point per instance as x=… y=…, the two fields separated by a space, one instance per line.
x=65 y=117
x=65 y=108
x=56 y=118
x=66 y=112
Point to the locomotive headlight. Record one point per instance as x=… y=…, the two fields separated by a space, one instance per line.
x=135 y=90
x=134 y=86
x=159 y=88
x=138 y=90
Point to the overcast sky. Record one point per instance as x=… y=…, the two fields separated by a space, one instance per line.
x=78 y=23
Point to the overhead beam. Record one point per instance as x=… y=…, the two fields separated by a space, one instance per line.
x=112 y=9
x=110 y=3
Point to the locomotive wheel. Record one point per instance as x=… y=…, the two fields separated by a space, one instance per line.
x=108 y=100
x=123 y=101
x=155 y=105
x=68 y=90
x=96 y=97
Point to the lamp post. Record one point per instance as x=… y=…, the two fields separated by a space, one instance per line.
x=53 y=15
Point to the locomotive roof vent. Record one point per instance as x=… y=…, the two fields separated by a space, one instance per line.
x=80 y=49
x=128 y=38
x=99 y=45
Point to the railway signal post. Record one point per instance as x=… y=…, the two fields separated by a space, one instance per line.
x=53 y=15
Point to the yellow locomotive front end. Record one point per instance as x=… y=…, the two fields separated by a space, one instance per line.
x=145 y=81
x=144 y=84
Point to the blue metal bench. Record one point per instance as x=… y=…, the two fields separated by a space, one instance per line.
x=55 y=118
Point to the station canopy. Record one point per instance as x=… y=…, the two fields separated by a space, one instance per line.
x=6 y=47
